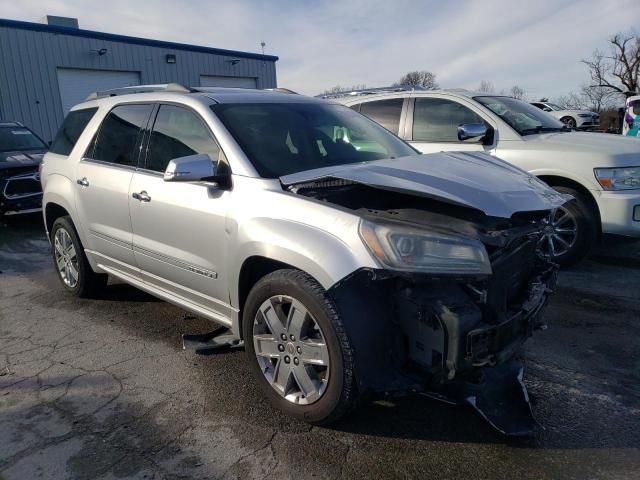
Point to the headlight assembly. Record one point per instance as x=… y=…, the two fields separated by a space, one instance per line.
x=624 y=178
x=412 y=249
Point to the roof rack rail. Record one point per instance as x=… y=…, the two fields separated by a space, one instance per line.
x=166 y=87
x=282 y=90
x=372 y=91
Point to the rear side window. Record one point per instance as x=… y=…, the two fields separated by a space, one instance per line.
x=119 y=135
x=437 y=120
x=385 y=112
x=178 y=132
x=71 y=129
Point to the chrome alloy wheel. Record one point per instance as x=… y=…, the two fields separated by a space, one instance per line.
x=66 y=258
x=559 y=233
x=291 y=350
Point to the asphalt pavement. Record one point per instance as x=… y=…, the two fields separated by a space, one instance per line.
x=101 y=389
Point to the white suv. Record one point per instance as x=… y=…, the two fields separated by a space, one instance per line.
x=602 y=172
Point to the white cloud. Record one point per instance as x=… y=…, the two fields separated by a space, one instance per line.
x=537 y=45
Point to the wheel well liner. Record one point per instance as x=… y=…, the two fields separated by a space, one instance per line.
x=252 y=270
x=51 y=212
x=555 y=181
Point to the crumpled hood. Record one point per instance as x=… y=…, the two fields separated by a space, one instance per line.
x=623 y=151
x=21 y=159
x=475 y=180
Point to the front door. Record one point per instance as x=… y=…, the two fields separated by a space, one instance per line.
x=432 y=126
x=179 y=227
x=102 y=186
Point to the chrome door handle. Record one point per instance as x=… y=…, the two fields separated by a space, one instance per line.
x=143 y=196
x=83 y=181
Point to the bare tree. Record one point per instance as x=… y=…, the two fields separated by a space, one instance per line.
x=618 y=70
x=518 y=93
x=422 y=78
x=339 y=89
x=597 y=99
x=571 y=101
x=486 y=87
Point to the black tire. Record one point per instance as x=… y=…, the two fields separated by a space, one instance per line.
x=340 y=394
x=569 y=122
x=587 y=227
x=89 y=283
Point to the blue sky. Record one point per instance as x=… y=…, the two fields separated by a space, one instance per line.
x=535 y=44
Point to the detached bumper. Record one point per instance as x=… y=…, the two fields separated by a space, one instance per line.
x=619 y=212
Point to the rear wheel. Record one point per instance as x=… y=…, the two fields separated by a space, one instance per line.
x=71 y=263
x=570 y=231
x=297 y=347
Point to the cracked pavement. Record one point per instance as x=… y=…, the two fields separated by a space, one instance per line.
x=102 y=389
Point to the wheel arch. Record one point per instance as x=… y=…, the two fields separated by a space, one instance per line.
x=559 y=181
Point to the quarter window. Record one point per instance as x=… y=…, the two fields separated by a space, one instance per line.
x=119 y=135
x=385 y=112
x=437 y=120
x=178 y=132
x=71 y=129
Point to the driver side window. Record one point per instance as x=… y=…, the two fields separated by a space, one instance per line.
x=178 y=132
x=437 y=120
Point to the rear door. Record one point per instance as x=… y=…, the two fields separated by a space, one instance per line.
x=179 y=227
x=102 y=185
x=432 y=126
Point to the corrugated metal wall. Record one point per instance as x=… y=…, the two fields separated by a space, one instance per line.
x=29 y=60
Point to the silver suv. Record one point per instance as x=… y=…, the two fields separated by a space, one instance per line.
x=346 y=261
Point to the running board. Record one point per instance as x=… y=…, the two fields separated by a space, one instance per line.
x=216 y=340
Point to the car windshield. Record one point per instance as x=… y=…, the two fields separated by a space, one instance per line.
x=19 y=138
x=284 y=138
x=521 y=116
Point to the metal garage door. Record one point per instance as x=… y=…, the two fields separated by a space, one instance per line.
x=76 y=84
x=221 y=81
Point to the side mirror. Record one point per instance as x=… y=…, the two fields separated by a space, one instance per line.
x=191 y=168
x=471 y=130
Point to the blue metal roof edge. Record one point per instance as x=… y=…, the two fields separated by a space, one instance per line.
x=112 y=37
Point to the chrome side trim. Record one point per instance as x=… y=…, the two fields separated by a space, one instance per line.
x=164 y=294
x=111 y=239
x=107 y=164
x=175 y=262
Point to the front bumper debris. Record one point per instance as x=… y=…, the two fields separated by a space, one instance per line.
x=499 y=395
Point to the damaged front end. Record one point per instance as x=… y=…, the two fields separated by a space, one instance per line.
x=447 y=318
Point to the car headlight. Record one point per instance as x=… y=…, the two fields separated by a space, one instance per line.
x=625 y=178
x=585 y=115
x=412 y=249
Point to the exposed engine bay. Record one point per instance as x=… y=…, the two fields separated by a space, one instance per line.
x=452 y=337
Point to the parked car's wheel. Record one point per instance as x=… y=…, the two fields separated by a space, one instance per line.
x=297 y=347
x=71 y=263
x=571 y=231
x=569 y=122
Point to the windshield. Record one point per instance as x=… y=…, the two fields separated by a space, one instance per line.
x=522 y=117
x=19 y=138
x=284 y=138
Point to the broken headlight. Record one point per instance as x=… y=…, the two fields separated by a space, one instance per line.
x=412 y=249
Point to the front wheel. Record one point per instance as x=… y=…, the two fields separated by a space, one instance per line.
x=297 y=347
x=569 y=122
x=571 y=231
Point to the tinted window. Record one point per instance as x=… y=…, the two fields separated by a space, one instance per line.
x=291 y=137
x=437 y=120
x=178 y=132
x=71 y=129
x=539 y=105
x=119 y=134
x=385 y=112
x=19 y=138
x=522 y=117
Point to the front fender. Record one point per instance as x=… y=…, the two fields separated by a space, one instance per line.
x=327 y=257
